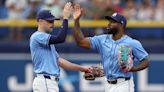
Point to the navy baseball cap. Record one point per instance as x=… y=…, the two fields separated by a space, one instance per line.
x=46 y=15
x=118 y=18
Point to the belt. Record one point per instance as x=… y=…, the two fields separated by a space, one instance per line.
x=48 y=77
x=118 y=80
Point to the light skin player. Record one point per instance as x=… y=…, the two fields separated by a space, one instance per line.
x=46 y=61
x=119 y=79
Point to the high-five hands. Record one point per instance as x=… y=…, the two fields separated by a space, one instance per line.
x=77 y=12
x=67 y=10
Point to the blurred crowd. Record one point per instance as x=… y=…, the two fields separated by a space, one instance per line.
x=141 y=10
x=93 y=9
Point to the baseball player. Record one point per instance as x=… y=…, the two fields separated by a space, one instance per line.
x=114 y=47
x=45 y=58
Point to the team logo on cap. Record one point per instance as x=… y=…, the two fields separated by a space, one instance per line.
x=114 y=14
x=51 y=12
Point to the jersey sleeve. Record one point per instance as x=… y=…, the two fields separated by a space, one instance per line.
x=60 y=37
x=94 y=42
x=43 y=38
x=138 y=51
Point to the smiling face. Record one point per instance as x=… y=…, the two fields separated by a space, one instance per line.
x=47 y=25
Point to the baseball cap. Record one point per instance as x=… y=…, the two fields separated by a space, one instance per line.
x=46 y=15
x=118 y=18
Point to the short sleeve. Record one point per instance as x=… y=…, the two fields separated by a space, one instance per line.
x=43 y=38
x=138 y=51
x=94 y=42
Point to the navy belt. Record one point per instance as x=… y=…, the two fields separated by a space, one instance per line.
x=48 y=77
x=117 y=80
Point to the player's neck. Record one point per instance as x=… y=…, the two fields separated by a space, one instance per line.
x=117 y=36
x=40 y=29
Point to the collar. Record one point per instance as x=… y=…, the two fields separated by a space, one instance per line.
x=109 y=39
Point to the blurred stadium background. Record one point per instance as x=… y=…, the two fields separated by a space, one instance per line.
x=17 y=23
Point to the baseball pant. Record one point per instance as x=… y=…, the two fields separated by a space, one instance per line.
x=121 y=86
x=41 y=84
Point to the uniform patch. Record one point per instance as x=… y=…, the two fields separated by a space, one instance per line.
x=125 y=56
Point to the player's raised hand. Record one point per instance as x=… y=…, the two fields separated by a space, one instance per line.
x=77 y=12
x=67 y=10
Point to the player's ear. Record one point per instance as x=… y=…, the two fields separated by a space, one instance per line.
x=122 y=26
x=41 y=22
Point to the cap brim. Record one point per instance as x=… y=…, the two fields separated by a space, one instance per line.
x=110 y=18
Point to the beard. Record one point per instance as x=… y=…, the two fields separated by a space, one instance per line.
x=112 y=31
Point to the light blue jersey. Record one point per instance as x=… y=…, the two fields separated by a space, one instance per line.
x=109 y=50
x=44 y=56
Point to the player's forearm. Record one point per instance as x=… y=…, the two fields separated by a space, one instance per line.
x=144 y=64
x=63 y=31
x=70 y=66
x=60 y=37
x=78 y=35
